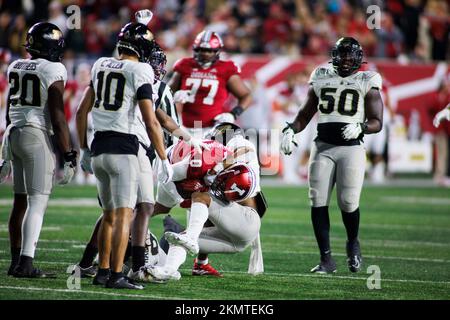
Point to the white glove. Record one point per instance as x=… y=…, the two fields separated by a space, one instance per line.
x=198 y=144
x=70 y=165
x=85 y=161
x=288 y=140
x=182 y=96
x=351 y=131
x=165 y=173
x=441 y=115
x=225 y=117
x=143 y=16
x=5 y=169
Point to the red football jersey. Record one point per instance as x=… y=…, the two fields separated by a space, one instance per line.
x=208 y=89
x=199 y=164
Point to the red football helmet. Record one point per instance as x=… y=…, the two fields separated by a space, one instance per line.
x=236 y=183
x=204 y=42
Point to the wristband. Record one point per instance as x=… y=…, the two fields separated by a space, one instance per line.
x=364 y=127
x=237 y=111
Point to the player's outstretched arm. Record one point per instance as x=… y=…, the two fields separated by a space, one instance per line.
x=304 y=116
x=242 y=93
x=171 y=126
x=373 y=107
x=85 y=106
x=154 y=132
x=306 y=112
x=61 y=130
x=57 y=117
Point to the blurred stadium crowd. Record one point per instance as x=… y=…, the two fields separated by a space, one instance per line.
x=415 y=31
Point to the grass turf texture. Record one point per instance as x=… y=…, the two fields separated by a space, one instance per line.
x=404 y=231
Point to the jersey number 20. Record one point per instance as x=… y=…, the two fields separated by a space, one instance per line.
x=24 y=99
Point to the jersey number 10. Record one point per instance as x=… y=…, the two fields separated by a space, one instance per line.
x=114 y=82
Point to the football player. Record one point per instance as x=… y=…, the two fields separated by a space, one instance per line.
x=234 y=205
x=167 y=116
x=119 y=88
x=202 y=83
x=35 y=112
x=349 y=105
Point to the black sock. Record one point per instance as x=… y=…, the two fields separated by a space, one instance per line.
x=25 y=262
x=351 y=222
x=103 y=272
x=138 y=254
x=321 y=225
x=127 y=252
x=88 y=256
x=115 y=275
x=15 y=255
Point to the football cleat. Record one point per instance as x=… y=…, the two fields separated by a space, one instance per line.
x=31 y=273
x=141 y=275
x=179 y=239
x=354 y=259
x=205 y=270
x=88 y=272
x=326 y=265
x=123 y=283
x=162 y=275
x=100 y=280
x=11 y=269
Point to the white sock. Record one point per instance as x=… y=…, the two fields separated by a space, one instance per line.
x=175 y=258
x=198 y=217
x=203 y=262
x=32 y=223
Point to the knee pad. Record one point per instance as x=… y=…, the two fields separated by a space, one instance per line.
x=348 y=201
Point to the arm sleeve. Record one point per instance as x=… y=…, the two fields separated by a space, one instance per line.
x=55 y=72
x=178 y=65
x=232 y=69
x=143 y=74
x=313 y=79
x=374 y=82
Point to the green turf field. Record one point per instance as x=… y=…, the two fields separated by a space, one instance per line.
x=404 y=231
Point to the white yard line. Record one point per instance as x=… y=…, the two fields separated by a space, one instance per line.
x=384 y=243
x=69 y=202
x=91 y=292
x=342 y=277
x=364 y=256
x=4 y=228
x=418 y=200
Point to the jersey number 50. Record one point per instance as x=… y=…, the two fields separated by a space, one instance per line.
x=328 y=95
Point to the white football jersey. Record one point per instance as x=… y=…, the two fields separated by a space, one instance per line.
x=342 y=99
x=29 y=80
x=250 y=158
x=116 y=84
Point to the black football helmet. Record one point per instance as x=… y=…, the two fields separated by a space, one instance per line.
x=223 y=132
x=346 y=55
x=158 y=62
x=45 y=40
x=138 y=39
